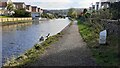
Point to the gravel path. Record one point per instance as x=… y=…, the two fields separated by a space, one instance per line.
x=70 y=50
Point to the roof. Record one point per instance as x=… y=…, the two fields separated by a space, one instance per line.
x=18 y=3
x=34 y=6
x=28 y=5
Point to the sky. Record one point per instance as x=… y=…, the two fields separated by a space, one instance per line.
x=59 y=4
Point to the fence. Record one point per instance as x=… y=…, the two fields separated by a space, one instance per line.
x=14 y=19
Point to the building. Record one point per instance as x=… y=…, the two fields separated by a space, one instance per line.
x=34 y=8
x=28 y=8
x=19 y=5
x=3 y=6
x=93 y=7
x=35 y=14
x=38 y=9
x=112 y=1
x=105 y=3
x=97 y=5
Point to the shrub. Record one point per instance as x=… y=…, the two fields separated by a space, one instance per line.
x=21 y=13
x=37 y=46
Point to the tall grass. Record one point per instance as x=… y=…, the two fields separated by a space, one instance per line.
x=105 y=55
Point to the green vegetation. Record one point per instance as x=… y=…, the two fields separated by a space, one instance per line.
x=89 y=27
x=5 y=17
x=85 y=11
x=106 y=55
x=72 y=13
x=32 y=54
x=10 y=8
x=21 y=13
x=48 y=15
x=102 y=14
x=51 y=15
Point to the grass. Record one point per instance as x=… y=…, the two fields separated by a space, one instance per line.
x=4 y=17
x=105 y=55
x=32 y=54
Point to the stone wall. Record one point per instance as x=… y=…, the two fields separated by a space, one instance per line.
x=14 y=19
x=112 y=26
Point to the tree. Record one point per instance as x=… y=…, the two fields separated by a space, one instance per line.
x=10 y=7
x=21 y=13
x=85 y=11
x=72 y=13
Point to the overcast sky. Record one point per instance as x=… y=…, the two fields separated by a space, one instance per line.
x=59 y=4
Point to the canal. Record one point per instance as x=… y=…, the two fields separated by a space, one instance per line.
x=18 y=38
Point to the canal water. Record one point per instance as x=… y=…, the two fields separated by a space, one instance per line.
x=18 y=38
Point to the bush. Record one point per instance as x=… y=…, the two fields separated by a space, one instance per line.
x=49 y=16
x=21 y=13
x=102 y=14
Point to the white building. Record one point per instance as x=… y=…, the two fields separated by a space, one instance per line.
x=105 y=3
x=3 y=6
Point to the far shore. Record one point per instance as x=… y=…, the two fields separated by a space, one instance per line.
x=21 y=21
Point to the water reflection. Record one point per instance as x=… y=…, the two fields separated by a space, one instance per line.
x=18 y=38
x=21 y=26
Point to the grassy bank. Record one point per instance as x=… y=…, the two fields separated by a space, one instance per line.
x=5 y=17
x=105 y=55
x=32 y=54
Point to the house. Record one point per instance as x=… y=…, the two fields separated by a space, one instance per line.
x=93 y=7
x=28 y=8
x=38 y=9
x=90 y=8
x=97 y=5
x=112 y=1
x=19 y=5
x=106 y=3
x=3 y=6
x=35 y=13
x=34 y=8
x=103 y=4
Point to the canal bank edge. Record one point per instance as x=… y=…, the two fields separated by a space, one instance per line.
x=32 y=54
x=14 y=19
x=24 y=20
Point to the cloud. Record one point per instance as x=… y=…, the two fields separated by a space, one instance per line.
x=59 y=4
x=52 y=5
x=50 y=1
